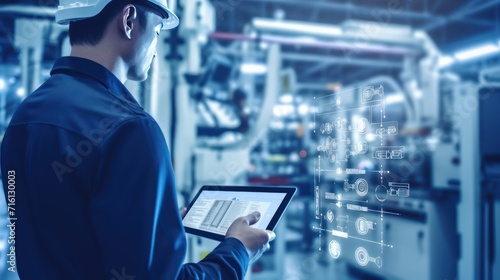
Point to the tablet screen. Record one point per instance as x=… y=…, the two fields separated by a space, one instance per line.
x=213 y=211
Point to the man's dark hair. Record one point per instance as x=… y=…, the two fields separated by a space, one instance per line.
x=91 y=30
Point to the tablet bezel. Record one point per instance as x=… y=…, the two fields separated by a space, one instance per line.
x=289 y=192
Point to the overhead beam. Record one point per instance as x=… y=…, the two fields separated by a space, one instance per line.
x=461 y=14
x=341 y=60
x=316 y=68
x=376 y=13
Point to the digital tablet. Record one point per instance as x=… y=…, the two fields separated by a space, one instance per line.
x=214 y=208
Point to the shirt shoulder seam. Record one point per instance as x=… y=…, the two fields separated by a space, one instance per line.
x=79 y=133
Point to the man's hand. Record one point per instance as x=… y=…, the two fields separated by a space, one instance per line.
x=256 y=241
x=183 y=211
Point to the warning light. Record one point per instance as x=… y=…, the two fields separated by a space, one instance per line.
x=303 y=154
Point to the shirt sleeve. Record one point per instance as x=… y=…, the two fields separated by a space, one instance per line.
x=135 y=213
x=229 y=260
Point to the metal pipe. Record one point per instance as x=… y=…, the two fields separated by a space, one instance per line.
x=337 y=60
x=33 y=11
x=349 y=48
x=374 y=12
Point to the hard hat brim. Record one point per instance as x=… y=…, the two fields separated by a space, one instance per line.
x=67 y=15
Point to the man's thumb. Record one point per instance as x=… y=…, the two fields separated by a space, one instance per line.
x=253 y=218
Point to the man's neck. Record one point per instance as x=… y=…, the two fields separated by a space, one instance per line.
x=104 y=55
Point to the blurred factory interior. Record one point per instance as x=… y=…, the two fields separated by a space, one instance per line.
x=381 y=112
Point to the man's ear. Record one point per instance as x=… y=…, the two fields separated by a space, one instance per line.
x=129 y=14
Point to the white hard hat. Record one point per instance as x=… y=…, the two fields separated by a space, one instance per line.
x=71 y=10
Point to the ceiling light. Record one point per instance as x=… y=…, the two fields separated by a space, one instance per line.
x=289 y=26
x=476 y=52
x=286 y=98
x=283 y=110
x=20 y=92
x=394 y=98
x=445 y=61
x=253 y=68
x=303 y=109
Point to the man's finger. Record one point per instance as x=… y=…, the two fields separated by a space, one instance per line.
x=183 y=211
x=252 y=218
x=271 y=234
x=267 y=247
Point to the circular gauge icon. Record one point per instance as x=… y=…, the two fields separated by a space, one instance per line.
x=330 y=216
x=361 y=147
x=322 y=128
x=362 y=226
x=368 y=93
x=361 y=256
x=362 y=125
x=333 y=158
x=361 y=187
x=381 y=193
x=334 y=144
x=328 y=128
x=347 y=187
x=338 y=123
x=334 y=249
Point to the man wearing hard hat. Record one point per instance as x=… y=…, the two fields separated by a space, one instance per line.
x=87 y=172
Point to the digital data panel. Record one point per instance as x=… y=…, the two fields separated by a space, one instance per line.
x=356 y=143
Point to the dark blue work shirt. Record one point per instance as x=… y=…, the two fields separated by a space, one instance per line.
x=94 y=186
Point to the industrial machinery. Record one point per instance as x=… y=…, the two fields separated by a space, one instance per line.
x=393 y=156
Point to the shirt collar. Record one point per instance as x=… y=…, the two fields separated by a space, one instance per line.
x=94 y=70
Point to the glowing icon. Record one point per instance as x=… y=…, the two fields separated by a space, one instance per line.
x=338 y=101
x=361 y=147
x=362 y=125
x=338 y=124
x=355 y=171
x=333 y=143
x=342 y=222
x=361 y=186
x=339 y=204
x=381 y=193
x=328 y=147
x=334 y=249
x=370 y=91
x=395 y=189
x=326 y=128
x=316 y=202
x=333 y=158
x=385 y=128
x=339 y=171
x=399 y=189
x=329 y=216
x=363 y=225
x=386 y=152
x=391 y=130
x=362 y=257
x=334 y=196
